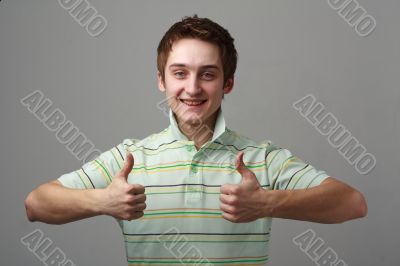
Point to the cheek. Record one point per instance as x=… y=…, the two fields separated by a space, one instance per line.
x=172 y=87
x=215 y=92
x=170 y=93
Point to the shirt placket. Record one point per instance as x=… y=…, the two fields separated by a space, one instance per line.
x=194 y=190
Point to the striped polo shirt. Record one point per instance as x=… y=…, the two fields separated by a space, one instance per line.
x=182 y=223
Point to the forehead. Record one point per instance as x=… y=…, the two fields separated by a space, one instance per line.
x=194 y=53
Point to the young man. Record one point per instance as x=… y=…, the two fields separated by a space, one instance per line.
x=197 y=192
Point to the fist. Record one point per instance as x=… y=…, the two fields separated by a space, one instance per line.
x=243 y=202
x=123 y=200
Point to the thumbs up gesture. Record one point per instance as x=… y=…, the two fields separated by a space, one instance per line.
x=242 y=202
x=123 y=200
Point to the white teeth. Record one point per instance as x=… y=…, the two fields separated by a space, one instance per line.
x=192 y=103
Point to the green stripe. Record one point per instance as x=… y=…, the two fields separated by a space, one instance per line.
x=174 y=212
x=275 y=155
x=105 y=170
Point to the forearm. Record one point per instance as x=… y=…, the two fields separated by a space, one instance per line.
x=330 y=202
x=54 y=204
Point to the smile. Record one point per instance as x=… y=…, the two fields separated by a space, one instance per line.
x=193 y=102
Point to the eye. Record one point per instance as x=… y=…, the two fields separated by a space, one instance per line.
x=207 y=75
x=179 y=74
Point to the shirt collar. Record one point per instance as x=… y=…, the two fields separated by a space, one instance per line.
x=220 y=126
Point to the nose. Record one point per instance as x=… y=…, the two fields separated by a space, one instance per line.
x=192 y=87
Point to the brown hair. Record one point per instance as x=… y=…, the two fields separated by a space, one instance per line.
x=203 y=29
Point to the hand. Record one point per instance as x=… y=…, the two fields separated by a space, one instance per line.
x=122 y=200
x=242 y=202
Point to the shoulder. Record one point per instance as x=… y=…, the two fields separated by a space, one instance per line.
x=241 y=142
x=151 y=142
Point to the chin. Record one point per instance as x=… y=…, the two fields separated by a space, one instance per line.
x=192 y=119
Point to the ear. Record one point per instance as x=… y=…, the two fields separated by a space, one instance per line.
x=229 y=85
x=160 y=82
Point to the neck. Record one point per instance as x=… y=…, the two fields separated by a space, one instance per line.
x=199 y=133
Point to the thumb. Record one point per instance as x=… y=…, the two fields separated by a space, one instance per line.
x=246 y=174
x=127 y=168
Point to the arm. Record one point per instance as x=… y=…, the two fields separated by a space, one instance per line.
x=52 y=203
x=330 y=202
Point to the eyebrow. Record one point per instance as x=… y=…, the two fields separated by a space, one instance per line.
x=202 y=67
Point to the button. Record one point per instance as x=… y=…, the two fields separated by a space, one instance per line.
x=194 y=169
x=189 y=148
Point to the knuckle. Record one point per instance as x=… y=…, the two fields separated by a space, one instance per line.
x=129 y=198
x=222 y=188
x=138 y=186
x=234 y=210
x=221 y=198
x=137 y=207
x=234 y=219
x=136 y=199
x=141 y=198
x=235 y=189
x=139 y=215
x=126 y=216
x=128 y=189
x=234 y=200
x=138 y=189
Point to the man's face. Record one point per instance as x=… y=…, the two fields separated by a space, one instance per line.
x=193 y=81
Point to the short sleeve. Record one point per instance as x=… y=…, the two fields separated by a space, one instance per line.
x=97 y=173
x=286 y=171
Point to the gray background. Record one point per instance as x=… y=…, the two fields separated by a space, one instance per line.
x=106 y=86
